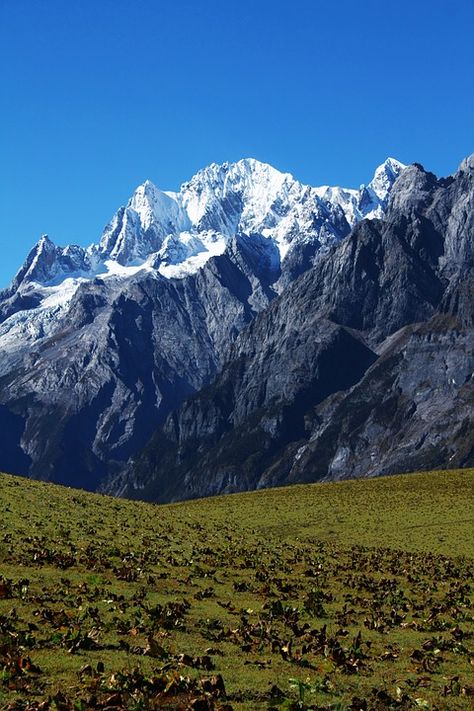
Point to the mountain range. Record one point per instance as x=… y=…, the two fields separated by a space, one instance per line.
x=244 y=332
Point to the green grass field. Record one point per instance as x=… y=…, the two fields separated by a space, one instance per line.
x=355 y=595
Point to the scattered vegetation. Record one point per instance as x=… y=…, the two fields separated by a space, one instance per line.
x=356 y=595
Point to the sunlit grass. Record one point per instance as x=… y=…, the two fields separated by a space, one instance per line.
x=314 y=565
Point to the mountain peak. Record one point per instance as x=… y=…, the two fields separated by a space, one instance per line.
x=391 y=168
x=183 y=229
x=151 y=203
x=245 y=168
x=391 y=163
x=257 y=166
x=467 y=164
x=384 y=178
x=147 y=190
x=44 y=240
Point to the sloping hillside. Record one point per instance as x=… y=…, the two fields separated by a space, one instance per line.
x=354 y=595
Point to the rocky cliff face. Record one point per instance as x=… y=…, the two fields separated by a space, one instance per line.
x=363 y=366
x=90 y=393
x=99 y=345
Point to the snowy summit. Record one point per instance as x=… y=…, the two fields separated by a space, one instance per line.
x=174 y=234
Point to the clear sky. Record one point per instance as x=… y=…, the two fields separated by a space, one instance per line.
x=98 y=95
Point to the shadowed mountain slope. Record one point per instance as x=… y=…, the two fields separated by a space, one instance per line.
x=363 y=366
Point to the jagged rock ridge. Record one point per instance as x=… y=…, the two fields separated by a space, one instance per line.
x=363 y=366
x=99 y=345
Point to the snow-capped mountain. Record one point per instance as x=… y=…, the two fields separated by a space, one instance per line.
x=370 y=201
x=223 y=200
x=172 y=235
x=246 y=331
x=100 y=344
x=363 y=366
x=176 y=233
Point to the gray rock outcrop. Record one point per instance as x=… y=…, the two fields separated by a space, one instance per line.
x=363 y=366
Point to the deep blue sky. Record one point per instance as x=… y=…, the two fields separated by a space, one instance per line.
x=98 y=95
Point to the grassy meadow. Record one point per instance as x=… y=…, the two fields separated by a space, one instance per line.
x=355 y=595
